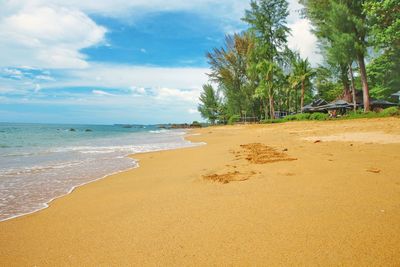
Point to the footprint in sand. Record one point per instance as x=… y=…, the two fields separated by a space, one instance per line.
x=374 y=170
x=254 y=153
x=228 y=177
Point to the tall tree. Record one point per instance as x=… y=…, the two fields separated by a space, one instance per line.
x=302 y=73
x=267 y=21
x=383 y=71
x=229 y=69
x=351 y=21
x=209 y=103
x=384 y=19
x=338 y=20
x=268 y=72
x=326 y=85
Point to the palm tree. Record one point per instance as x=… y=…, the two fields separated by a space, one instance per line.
x=268 y=72
x=302 y=73
x=293 y=85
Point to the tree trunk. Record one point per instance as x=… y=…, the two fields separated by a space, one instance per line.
x=271 y=105
x=302 y=96
x=364 y=81
x=344 y=76
x=353 y=88
x=346 y=91
x=265 y=110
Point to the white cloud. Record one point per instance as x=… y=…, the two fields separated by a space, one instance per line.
x=193 y=111
x=151 y=83
x=304 y=41
x=48 y=37
x=126 y=76
x=37 y=88
x=101 y=93
x=301 y=38
x=50 y=34
x=118 y=8
x=13 y=72
x=178 y=95
x=294 y=11
x=138 y=91
x=44 y=78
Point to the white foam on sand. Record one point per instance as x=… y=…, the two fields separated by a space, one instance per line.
x=37 y=186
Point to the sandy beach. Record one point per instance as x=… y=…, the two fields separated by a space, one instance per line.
x=292 y=194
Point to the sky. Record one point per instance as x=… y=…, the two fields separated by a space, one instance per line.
x=120 y=61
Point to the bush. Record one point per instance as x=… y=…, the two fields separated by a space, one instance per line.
x=359 y=114
x=269 y=121
x=233 y=119
x=303 y=116
x=298 y=117
x=392 y=111
x=319 y=116
x=388 y=112
x=196 y=124
x=290 y=118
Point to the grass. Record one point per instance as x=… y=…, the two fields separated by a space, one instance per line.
x=389 y=112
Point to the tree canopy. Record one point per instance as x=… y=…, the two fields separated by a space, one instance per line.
x=256 y=73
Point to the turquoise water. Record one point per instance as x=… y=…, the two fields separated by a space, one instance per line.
x=40 y=162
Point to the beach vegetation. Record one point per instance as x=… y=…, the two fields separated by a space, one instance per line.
x=318 y=116
x=209 y=103
x=233 y=119
x=359 y=114
x=256 y=74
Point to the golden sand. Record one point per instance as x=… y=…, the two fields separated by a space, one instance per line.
x=258 y=195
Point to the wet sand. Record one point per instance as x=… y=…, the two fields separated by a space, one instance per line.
x=293 y=194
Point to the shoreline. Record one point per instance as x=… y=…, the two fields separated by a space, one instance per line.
x=48 y=203
x=321 y=207
x=130 y=156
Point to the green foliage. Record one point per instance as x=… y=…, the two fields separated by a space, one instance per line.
x=342 y=32
x=301 y=75
x=209 y=103
x=233 y=119
x=196 y=124
x=384 y=20
x=298 y=117
x=229 y=69
x=388 y=112
x=392 y=111
x=383 y=72
x=359 y=114
x=267 y=20
x=271 y=121
x=317 y=116
x=326 y=87
x=257 y=74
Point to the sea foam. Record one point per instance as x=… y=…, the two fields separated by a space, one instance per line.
x=34 y=174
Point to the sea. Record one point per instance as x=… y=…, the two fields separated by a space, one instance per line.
x=41 y=162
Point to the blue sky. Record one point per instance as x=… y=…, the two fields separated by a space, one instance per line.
x=122 y=61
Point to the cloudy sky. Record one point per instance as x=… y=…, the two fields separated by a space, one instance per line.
x=120 y=61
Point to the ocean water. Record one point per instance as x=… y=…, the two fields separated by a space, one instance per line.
x=40 y=162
